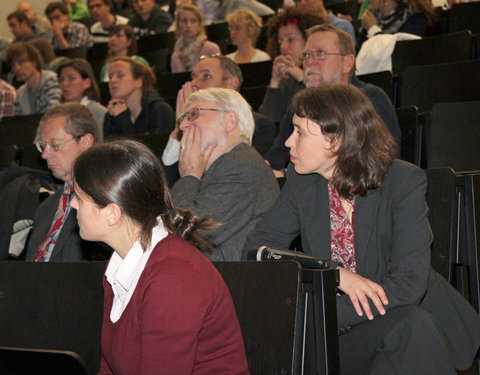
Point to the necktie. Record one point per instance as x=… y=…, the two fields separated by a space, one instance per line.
x=49 y=240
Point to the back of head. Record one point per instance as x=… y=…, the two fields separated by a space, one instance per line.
x=52 y=7
x=300 y=16
x=78 y=120
x=229 y=100
x=24 y=49
x=139 y=71
x=45 y=49
x=84 y=68
x=246 y=16
x=129 y=175
x=346 y=115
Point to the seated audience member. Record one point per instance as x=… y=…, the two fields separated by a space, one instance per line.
x=121 y=42
x=221 y=72
x=123 y=8
x=20 y=27
x=135 y=107
x=66 y=33
x=192 y=42
x=77 y=9
x=329 y=58
x=319 y=7
x=285 y=42
x=245 y=28
x=102 y=12
x=402 y=16
x=224 y=7
x=40 y=24
x=220 y=173
x=353 y=203
x=40 y=90
x=77 y=83
x=149 y=18
x=50 y=60
x=65 y=131
x=7 y=99
x=176 y=315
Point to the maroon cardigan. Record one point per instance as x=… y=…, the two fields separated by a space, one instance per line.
x=180 y=319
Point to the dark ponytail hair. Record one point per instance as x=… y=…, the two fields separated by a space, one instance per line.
x=128 y=174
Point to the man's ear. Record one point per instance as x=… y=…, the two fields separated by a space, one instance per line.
x=232 y=83
x=348 y=63
x=230 y=121
x=86 y=141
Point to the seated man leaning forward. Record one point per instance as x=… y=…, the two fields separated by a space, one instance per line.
x=220 y=173
x=65 y=131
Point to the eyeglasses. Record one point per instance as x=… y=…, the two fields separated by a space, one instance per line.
x=318 y=54
x=193 y=113
x=55 y=147
x=203 y=57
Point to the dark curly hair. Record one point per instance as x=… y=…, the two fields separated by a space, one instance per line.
x=301 y=16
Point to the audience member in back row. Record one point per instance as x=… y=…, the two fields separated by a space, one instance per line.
x=192 y=42
x=78 y=84
x=121 y=42
x=164 y=300
x=149 y=18
x=66 y=33
x=319 y=6
x=245 y=28
x=392 y=16
x=135 y=107
x=123 y=8
x=40 y=24
x=102 y=12
x=328 y=58
x=285 y=42
x=77 y=10
x=221 y=174
x=64 y=132
x=20 y=26
x=50 y=61
x=221 y=72
x=7 y=99
x=40 y=90
x=353 y=203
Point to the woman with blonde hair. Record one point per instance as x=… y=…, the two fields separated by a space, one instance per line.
x=192 y=42
x=245 y=28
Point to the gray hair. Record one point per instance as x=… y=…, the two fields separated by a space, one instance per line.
x=229 y=100
x=79 y=121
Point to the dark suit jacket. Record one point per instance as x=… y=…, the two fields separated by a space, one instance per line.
x=69 y=247
x=392 y=238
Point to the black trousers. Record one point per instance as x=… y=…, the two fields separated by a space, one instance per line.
x=405 y=341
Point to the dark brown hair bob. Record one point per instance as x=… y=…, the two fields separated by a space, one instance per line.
x=366 y=147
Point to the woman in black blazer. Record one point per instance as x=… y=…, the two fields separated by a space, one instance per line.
x=351 y=201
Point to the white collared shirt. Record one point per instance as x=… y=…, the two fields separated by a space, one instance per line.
x=123 y=274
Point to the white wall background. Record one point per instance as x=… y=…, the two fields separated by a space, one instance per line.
x=9 y=6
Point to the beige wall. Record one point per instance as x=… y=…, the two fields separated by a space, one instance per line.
x=8 y=6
